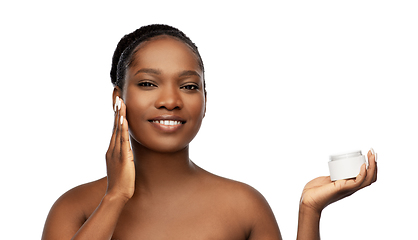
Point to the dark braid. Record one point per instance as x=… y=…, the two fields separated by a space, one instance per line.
x=123 y=55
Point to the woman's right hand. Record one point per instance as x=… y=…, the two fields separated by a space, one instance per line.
x=119 y=158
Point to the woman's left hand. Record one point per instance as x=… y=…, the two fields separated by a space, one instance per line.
x=321 y=191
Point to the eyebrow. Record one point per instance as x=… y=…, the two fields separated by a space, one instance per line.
x=189 y=73
x=158 y=72
x=149 y=70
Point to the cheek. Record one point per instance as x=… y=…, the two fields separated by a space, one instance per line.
x=136 y=117
x=196 y=105
x=197 y=108
x=136 y=101
x=136 y=107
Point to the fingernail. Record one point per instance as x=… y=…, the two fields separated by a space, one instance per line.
x=119 y=103
x=375 y=157
x=373 y=153
x=116 y=103
x=121 y=120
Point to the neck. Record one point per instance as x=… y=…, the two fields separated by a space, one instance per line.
x=160 y=171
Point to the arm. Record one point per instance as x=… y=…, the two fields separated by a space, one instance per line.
x=102 y=222
x=321 y=192
x=308 y=224
x=66 y=218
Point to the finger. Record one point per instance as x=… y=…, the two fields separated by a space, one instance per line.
x=361 y=177
x=117 y=128
x=115 y=124
x=348 y=187
x=372 y=170
x=125 y=144
x=358 y=181
x=373 y=167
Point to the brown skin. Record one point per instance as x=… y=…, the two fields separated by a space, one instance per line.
x=154 y=191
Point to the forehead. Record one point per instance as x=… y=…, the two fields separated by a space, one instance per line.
x=165 y=53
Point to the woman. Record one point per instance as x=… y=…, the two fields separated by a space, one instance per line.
x=152 y=189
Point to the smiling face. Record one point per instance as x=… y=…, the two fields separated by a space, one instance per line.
x=164 y=95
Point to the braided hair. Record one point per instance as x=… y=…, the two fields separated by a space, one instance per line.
x=126 y=49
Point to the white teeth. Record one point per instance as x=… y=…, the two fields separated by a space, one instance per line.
x=167 y=122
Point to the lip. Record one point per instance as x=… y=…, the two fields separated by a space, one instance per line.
x=168 y=117
x=167 y=128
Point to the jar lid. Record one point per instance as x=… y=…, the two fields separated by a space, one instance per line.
x=345 y=155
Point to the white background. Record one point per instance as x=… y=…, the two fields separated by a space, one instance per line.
x=289 y=83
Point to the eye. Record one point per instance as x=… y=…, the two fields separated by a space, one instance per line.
x=146 y=84
x=190 y=87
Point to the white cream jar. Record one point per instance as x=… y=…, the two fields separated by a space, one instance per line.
x=347 y=165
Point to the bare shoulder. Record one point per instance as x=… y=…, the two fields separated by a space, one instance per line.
x=74 y=207
x=233 y=190
x=82 y=196
x=247 y=204
x=242 y=197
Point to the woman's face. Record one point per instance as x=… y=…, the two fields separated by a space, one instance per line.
x=164 y=95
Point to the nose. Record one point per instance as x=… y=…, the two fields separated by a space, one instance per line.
x=170 y=99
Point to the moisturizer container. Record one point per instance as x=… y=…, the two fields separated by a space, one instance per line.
x=347 y=165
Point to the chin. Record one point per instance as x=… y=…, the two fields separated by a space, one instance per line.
x=166 y=147
x=165 y=144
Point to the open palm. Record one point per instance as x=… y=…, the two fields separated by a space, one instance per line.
x=321 y=191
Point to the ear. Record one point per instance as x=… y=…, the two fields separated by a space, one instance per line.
x=116 y=92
